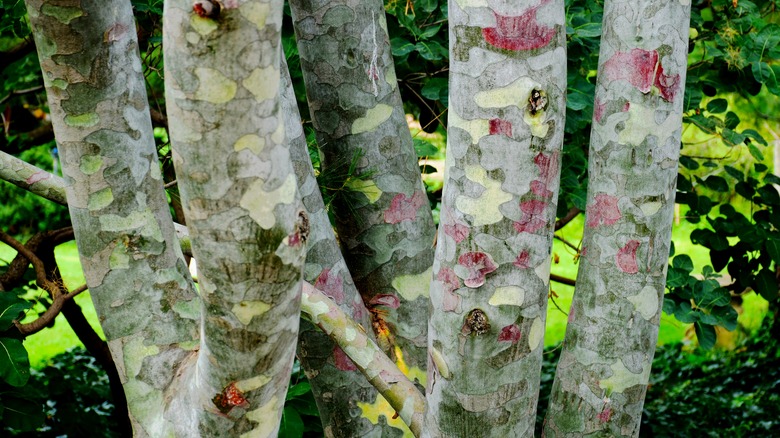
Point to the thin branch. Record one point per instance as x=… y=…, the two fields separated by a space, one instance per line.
x=552 y=296
x=567 y=243
x=570 y=215
x=32 y=178
x=16 y=53
x=170 y=184
x=563 y=280
x=379 y=369
x=20 y=92
x=158 y=118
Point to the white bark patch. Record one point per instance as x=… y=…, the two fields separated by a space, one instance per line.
x=143 y=220
x=623 y=378
x=483 y=209
x=543 y=270
x=374 y=117
x=476 y=128
x=264 y=415
x=441 y=364
x=516 y=93
x=472 y=3
x=361 y=355
x=650 y=208
x=260 y=204
x=507 y=295
x=263 y=83
x=645 y=302
x=411 y=287
x=252 y=383
x=535 y=334
x=407 y=411
x=100 y=199
x=585 y=393
x=246 y=310
x=203 y=26
x=642 y=122
x=213 y=86
x=134 y=352
x=250 y=141
x=256 y=12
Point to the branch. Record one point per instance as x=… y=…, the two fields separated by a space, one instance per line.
x=20 y=92
x=32 y=178
x=379 y=369
x=571 y=214
x=567 y=243
x=563 y=280
x=16 y=53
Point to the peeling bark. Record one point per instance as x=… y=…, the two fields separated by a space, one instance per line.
x=385 y=226
x=492 y=268
x=240 y=198
x=123 y=228
x=610 y=340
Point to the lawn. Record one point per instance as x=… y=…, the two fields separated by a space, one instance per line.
x=55 y=340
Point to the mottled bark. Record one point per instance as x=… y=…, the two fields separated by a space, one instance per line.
x=347 y=402
x=492 y=268
x=32 y=178
x=242 y=206
x=131 y=260
x=610 y=340
x=366 y=356
x=384 y=222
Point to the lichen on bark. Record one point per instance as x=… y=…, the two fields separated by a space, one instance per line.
x=610 y=340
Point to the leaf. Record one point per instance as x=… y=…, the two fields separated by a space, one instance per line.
x=727 y=317
x=21 y=414
x=763 y=73
x=11 y=308
x=401 y=47
x=431 y=50
x=706 y=335
x=732 y=120
x=14 y=363
x=669 y=306
x=435 y=89
x=755 y=152
x=291 y=425
x=717 y=106
x=683 y=184
x=732 y=138
x=771 y=178
x=716 y=183
x=298 y=389
x=769 y=195
x=773 y=249
x=588 y=30
x=683 y=262
x=424 y=148
x=427 y=168
x=755 y=136
x=685 y=314
x=734 y=173
x=766 y=285
x=676 y=278
x=689 y=163
x=760 y=168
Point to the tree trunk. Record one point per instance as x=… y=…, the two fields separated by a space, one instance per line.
x=492 y=267
x=382 y=218
x=610 y=340
x=131 y=259
x=243 y=210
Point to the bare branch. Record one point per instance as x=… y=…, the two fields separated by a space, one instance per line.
x=32 y=178
x=571 y=214
x=563 y=280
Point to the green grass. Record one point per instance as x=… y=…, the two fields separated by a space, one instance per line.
x=52 y=341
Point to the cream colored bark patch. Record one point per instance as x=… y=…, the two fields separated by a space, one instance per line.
x=441 y=364
x=134 y=352
x=650 y=208
x=213 y=86
x=645 y=302
x=507 y=295
x=252 y=383
x=203 y=26
x=537 y=124
x=641 y=123
x=250 y=141
x=263 y=83
x=516 y=93
x=476 y=128
x=366 y=187
x=543 y=270
x=374 y=117
x=256 y=12
x=85 y=120
x=90 y=164
x=260 y=204
x=535 y=334
x=362 y=355
x=412 y=287
x=100 y=199
x=246 y=310
x=264 y=415
x=623 y=378
x=483 y=209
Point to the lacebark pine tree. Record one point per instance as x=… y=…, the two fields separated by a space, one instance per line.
x=492 y=267
x=610 y=339
x=384 y=222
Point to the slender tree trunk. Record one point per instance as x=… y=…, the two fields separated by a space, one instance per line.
x=239 y=192
x=610 y=340
x=342 y=392
x=138 y=281
x=384 y=220
x=492 y=267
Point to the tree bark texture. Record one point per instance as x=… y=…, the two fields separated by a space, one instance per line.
x=240 y=197
x=383 y=221
x=32 y=178
x=602 y=375
x=492 y=267
x=132 y=263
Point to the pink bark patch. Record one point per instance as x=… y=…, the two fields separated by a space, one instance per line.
x=522 y=32
x=523 y=260
x=598 y=110
x=457 y=231
x=37 y=176
x=448 y=278
x=604 y=211
x=500 y=126
x=342 y=361
x=403 y=208
x=548 y=170
x=510 y=333
x=626 y=257
x=478 y=264
x=533 y=216
x=605 y=415
x=450 y=301
x=331 y=285
x=388 y=300
x=642 y=69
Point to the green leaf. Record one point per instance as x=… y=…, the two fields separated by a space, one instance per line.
x=734 y=173
x=766 y=284
x=716 y=183
x=400 y=46
x=769 y=195
x=732 y=120
x=11 y=308
x=291 y=425
x=689 y=163
x=706 y=335
x=588 y=30
x=752 y=133
x=676 y=278
x=431 y=50
x=727 y=317
x=14 y=363
x=760 y=167
x=21 y=414
x=427 y=168
x=685 y=314
x=755 y=152
x=683 y=262
x=717 y=106
x=771 y=178
x=298 y=389
x=763 y=73
x=435 y=89
x=732 y=138
x=424 y=148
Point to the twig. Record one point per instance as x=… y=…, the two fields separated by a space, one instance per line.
x=563 y=280
x=170 y=184
x=570 y=215
x=567 y=243
x=20 y=92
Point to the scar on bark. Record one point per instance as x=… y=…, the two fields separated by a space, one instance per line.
x=537 y=101
x=207 y=8
x=476 y=323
